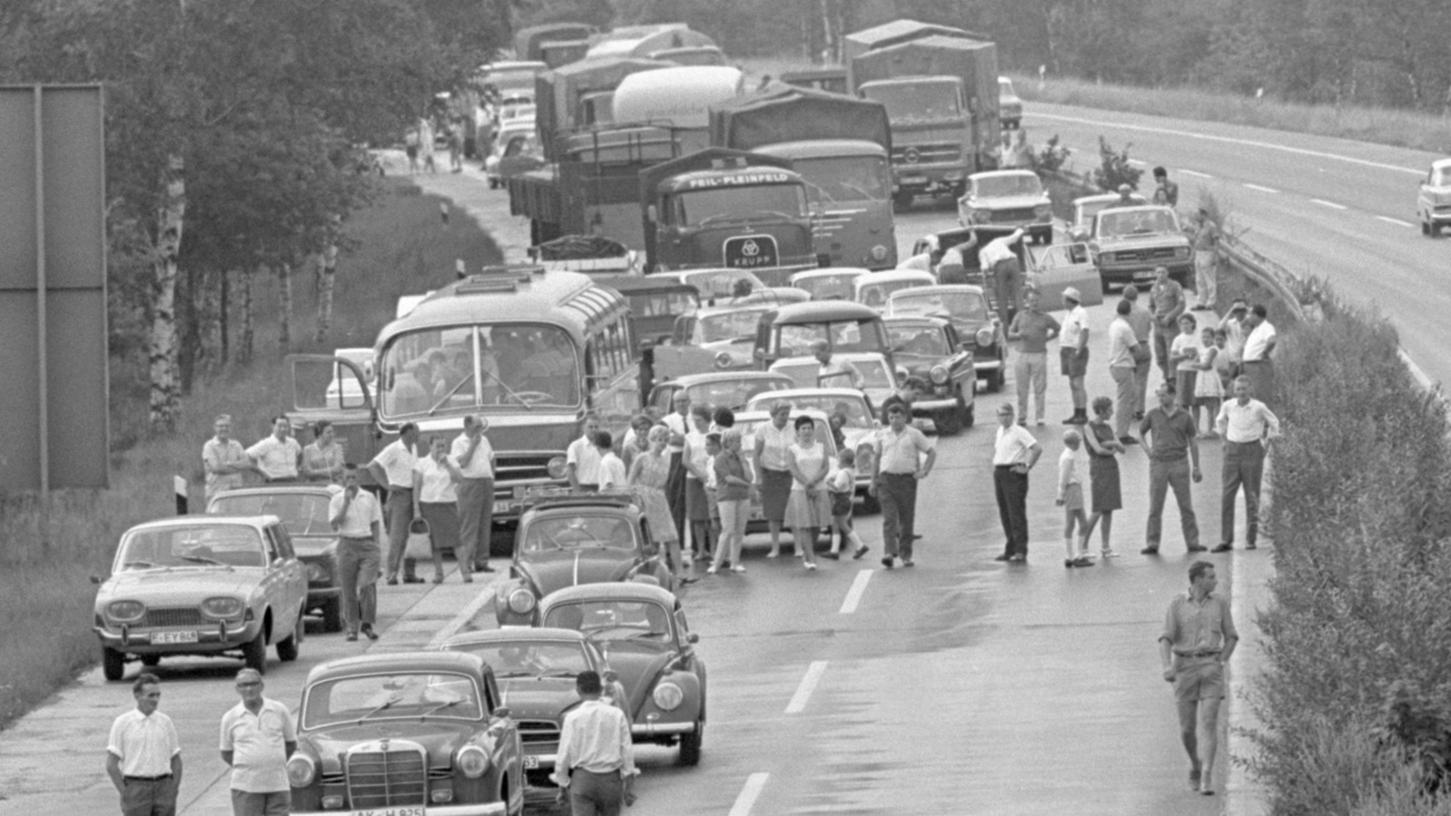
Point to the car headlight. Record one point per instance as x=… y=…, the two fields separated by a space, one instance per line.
x=938 y=374
x=301 y=770
x=984 y=337
x=1181 y=252
x=472 y=761
x=723 y=359
x=221 y=607
x=522 y=601
x=879 y=253
x=126 y=611
x=668 y=696
x=316 y=573
x=1106 y=257
x=556 y=468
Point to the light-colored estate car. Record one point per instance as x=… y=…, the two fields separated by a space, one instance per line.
x=1433 y=202
x=201 y=585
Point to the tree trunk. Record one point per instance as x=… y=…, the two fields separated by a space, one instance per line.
x=161 y=351
x=244 y=343
x=326 y=280
x=223 y=329
x=284 y=296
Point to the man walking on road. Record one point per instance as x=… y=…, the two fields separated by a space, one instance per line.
x=595 y=768
x=1121 y=366
x=1259 y=343
x=475 y=458
x=1015 y=451
x=258 y=737
x=998 y=258
x=143 y=754
x=1167 y=298
x=1031 y=330
x=899 y=466
x=1142 y=321
x=1198 y=639
x=1246 y=425
x=1206 y=261
x=358 y=520
x=1073 y=354
x=393 y=468
x=1173 y=459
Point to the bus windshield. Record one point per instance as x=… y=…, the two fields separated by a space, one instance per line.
x=845 y=178
x=507 y=366
x=698 y=207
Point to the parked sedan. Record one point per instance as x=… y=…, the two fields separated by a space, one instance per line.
x=201 y=586
x=873 y=290
x=576 y=539
x=976 y=324
x=830 y=283
x=303 y=509
x=930 y=349
x=405 y=733
x=642 y=631
x=879 y=380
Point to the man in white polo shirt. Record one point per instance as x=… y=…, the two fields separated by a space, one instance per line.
x=1259 y=344
x=258 y=736
x=1015 y=451
x=1073 y=353
x=143 y=754
x=475 y=458
x=582 y=458
x=357 y=519
x=392 y=469
x=278 y=455
x=1246 y=425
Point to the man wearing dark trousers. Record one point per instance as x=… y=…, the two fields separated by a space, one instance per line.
x=1246 y=425
x=143 y=754
x=595 y=767
x=1168 y=433
x=1014 y=454
x=899 y=466
x=392 y=469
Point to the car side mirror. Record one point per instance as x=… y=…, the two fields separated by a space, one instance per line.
x=502 y=712
x=96 y=579
x=652 y=214
x=692 y=638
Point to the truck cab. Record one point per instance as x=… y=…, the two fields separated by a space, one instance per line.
x=720 y=207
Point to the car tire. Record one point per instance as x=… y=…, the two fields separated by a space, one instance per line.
x=902 y=202
x=254 y=653
x=113 y=663
x=948 y=422
x=287 y=648
x=150 y=661
x=967 y=416
x=690 y=745
x=332 y=615
x=995 y=381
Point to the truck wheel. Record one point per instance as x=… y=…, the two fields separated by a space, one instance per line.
x=332 y=615
x=254 y=653
x=948 y=422
x=287 y=649
x=690 y=745
x=113 y=663
x=150 y=661
x=902 y=200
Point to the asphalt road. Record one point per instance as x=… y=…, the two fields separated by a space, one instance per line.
x=1338 y=209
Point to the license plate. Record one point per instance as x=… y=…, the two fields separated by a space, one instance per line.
x=530 y=762
x=174 y=637
x=913 y=180
x=501 y=507
x=417 y=810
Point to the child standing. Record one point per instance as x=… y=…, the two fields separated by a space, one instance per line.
x=1184 y=353
x=1208 y=390
x=1071 y=467
x=841 y=485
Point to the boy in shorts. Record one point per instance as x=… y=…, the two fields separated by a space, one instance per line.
x=1072 y=466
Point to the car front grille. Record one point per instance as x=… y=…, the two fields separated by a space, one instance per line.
x=386 y=778
x=926 y=154
x=1012 y=216
x=173 y=616
x=538 y=733
x=512 y=468
x=1152 y=254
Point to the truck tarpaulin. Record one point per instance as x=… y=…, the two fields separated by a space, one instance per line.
x=529 y=42
x=894 y=33
x=557 y=93
x=973 y=61
x=784 y=113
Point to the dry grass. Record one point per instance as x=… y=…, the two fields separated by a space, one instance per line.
x=45 y=588
x=1387 y=126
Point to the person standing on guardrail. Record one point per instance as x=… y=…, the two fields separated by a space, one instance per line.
x=1206 y=261
x=1166 y=192
x=1198 y=639
x=1259 y=344
x=1167 y=298
x=224 y=459
x=1142 y=322
x=1173 y=461
x=1073 y=353
x=1031 y=329
x=143 y=754
x=1247 y=425
x=474 y=456
x=392 y=469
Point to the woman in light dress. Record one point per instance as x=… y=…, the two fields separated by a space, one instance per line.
x=648 y=473
x=772 y=442
x=808 y=509
x=435 y=500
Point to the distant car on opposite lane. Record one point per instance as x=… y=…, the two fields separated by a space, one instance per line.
x=1433 y=201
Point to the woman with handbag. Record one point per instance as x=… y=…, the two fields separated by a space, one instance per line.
x=435 y=501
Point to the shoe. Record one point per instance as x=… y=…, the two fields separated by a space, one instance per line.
x=468 y=579
x=773 y=554
x=1083 y=561
x=907 y=562
x=1128 y=440
x=392 y=580
x=861 y=551
x=1073 y=420
x=1108 y=554
x=1250 y=546
x=412 y=579
x=351 y=636
x=1017 y=558
x=833 y=556
x=1079 y=418
x=1069 y=563
x=1197 y=548
x=888 y=562
x=687 y=580
x=1003 y=557
x=1040 y=422
x=811 y=565
x=368 y=632
x=1226 y=547
x=738 y=569
x=483 y=568
x=438 y=579
x=710 y=570
x=1149 y=551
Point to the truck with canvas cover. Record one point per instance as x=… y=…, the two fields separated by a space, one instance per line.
x=644 y=40
x=727 y=208
x=559 y=94
x=840 y=146
x=554 y=44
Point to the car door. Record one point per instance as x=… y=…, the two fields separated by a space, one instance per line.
x=334 y=389
x=293 y=571
x=1059 y=266
x=508 y=753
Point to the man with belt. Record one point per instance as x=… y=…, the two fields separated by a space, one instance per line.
x=1169 y=433
x=1198 y=639
x=358 y=521
x=1259 y=343
x=143 y=754
x=258 y=736
x=1246 y=425
x=899 y=466
x=277 y=456
x=1015 y=451
x=392 y=469
x=582 y=458
x=475 y=458
x=1031 y=330
x=1166 y=297
x=1004 y=272
x=1073 y=353
x=224 y=459
x=595 y=767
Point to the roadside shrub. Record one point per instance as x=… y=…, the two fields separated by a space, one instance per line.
x=1114 y=168
x=1051 y=157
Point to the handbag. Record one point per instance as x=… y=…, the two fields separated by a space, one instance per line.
x=419 y=544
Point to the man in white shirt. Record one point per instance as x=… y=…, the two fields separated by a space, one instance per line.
x=904 y=458
x=258 y=736
x=224 y=459
x=277 y=456
x=1246 y=425
x=612 y=467
x=678 y=422
x=833 y=373
x=595 y=767
x=143 y=754
x=475 y=458
x=998 y=258
x=392 y=469
x=1073 y=353
x=358 y=520
x=582 y=458
x=1259 y=344
x=1123 y=366
x=1015 y=451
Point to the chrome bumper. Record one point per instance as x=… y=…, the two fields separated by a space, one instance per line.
x=480 y=809
x=656 y=729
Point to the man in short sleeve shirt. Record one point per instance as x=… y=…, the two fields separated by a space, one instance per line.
x=1198 y=639
x=1169 y=435
x=224 y=459
x=278 y=455
x=143 y=754
x=1015 y=451
x=904 y=458
x=392 y=468
x=258 y=736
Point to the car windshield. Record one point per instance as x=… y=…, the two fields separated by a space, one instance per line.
x=459 y=368
x=795 y=339
x=924 y=341
x=917 y=100
x=578 y=532
x=530 y=658
x=722 y=283
x=1088 y=209
x=1442 y=177
x=612 y=619
x=410 y=695
x=303 y=514
x=1017 y=184
x=737 y=324
x=853 y=409
x=700 y=207
x=1005 y=87
x=845 y=178
x=1112 y=224
x=875 y=294
x=236 y=545
x=662 y=304
x=732 y=393
x=828 y=287
x=961 y=307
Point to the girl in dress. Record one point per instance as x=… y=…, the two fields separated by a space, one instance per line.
x=808 y=510
x=1208 y=388
x=647 y=475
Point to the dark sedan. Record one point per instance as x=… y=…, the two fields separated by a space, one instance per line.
x=929 y=347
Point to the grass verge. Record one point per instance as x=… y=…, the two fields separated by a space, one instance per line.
x=1386 y=126
x=48 y=557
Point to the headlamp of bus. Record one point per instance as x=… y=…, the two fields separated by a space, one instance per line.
x=556 y=468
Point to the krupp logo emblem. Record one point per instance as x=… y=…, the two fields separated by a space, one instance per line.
x=911 y=155
x=750 y=249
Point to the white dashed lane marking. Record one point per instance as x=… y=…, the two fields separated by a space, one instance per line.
x=1196 y=174
x=1331 y=204
x=1261 y=188
x=807 y=686
x=750 y=791
x=854 y=595
x=1398 y=222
